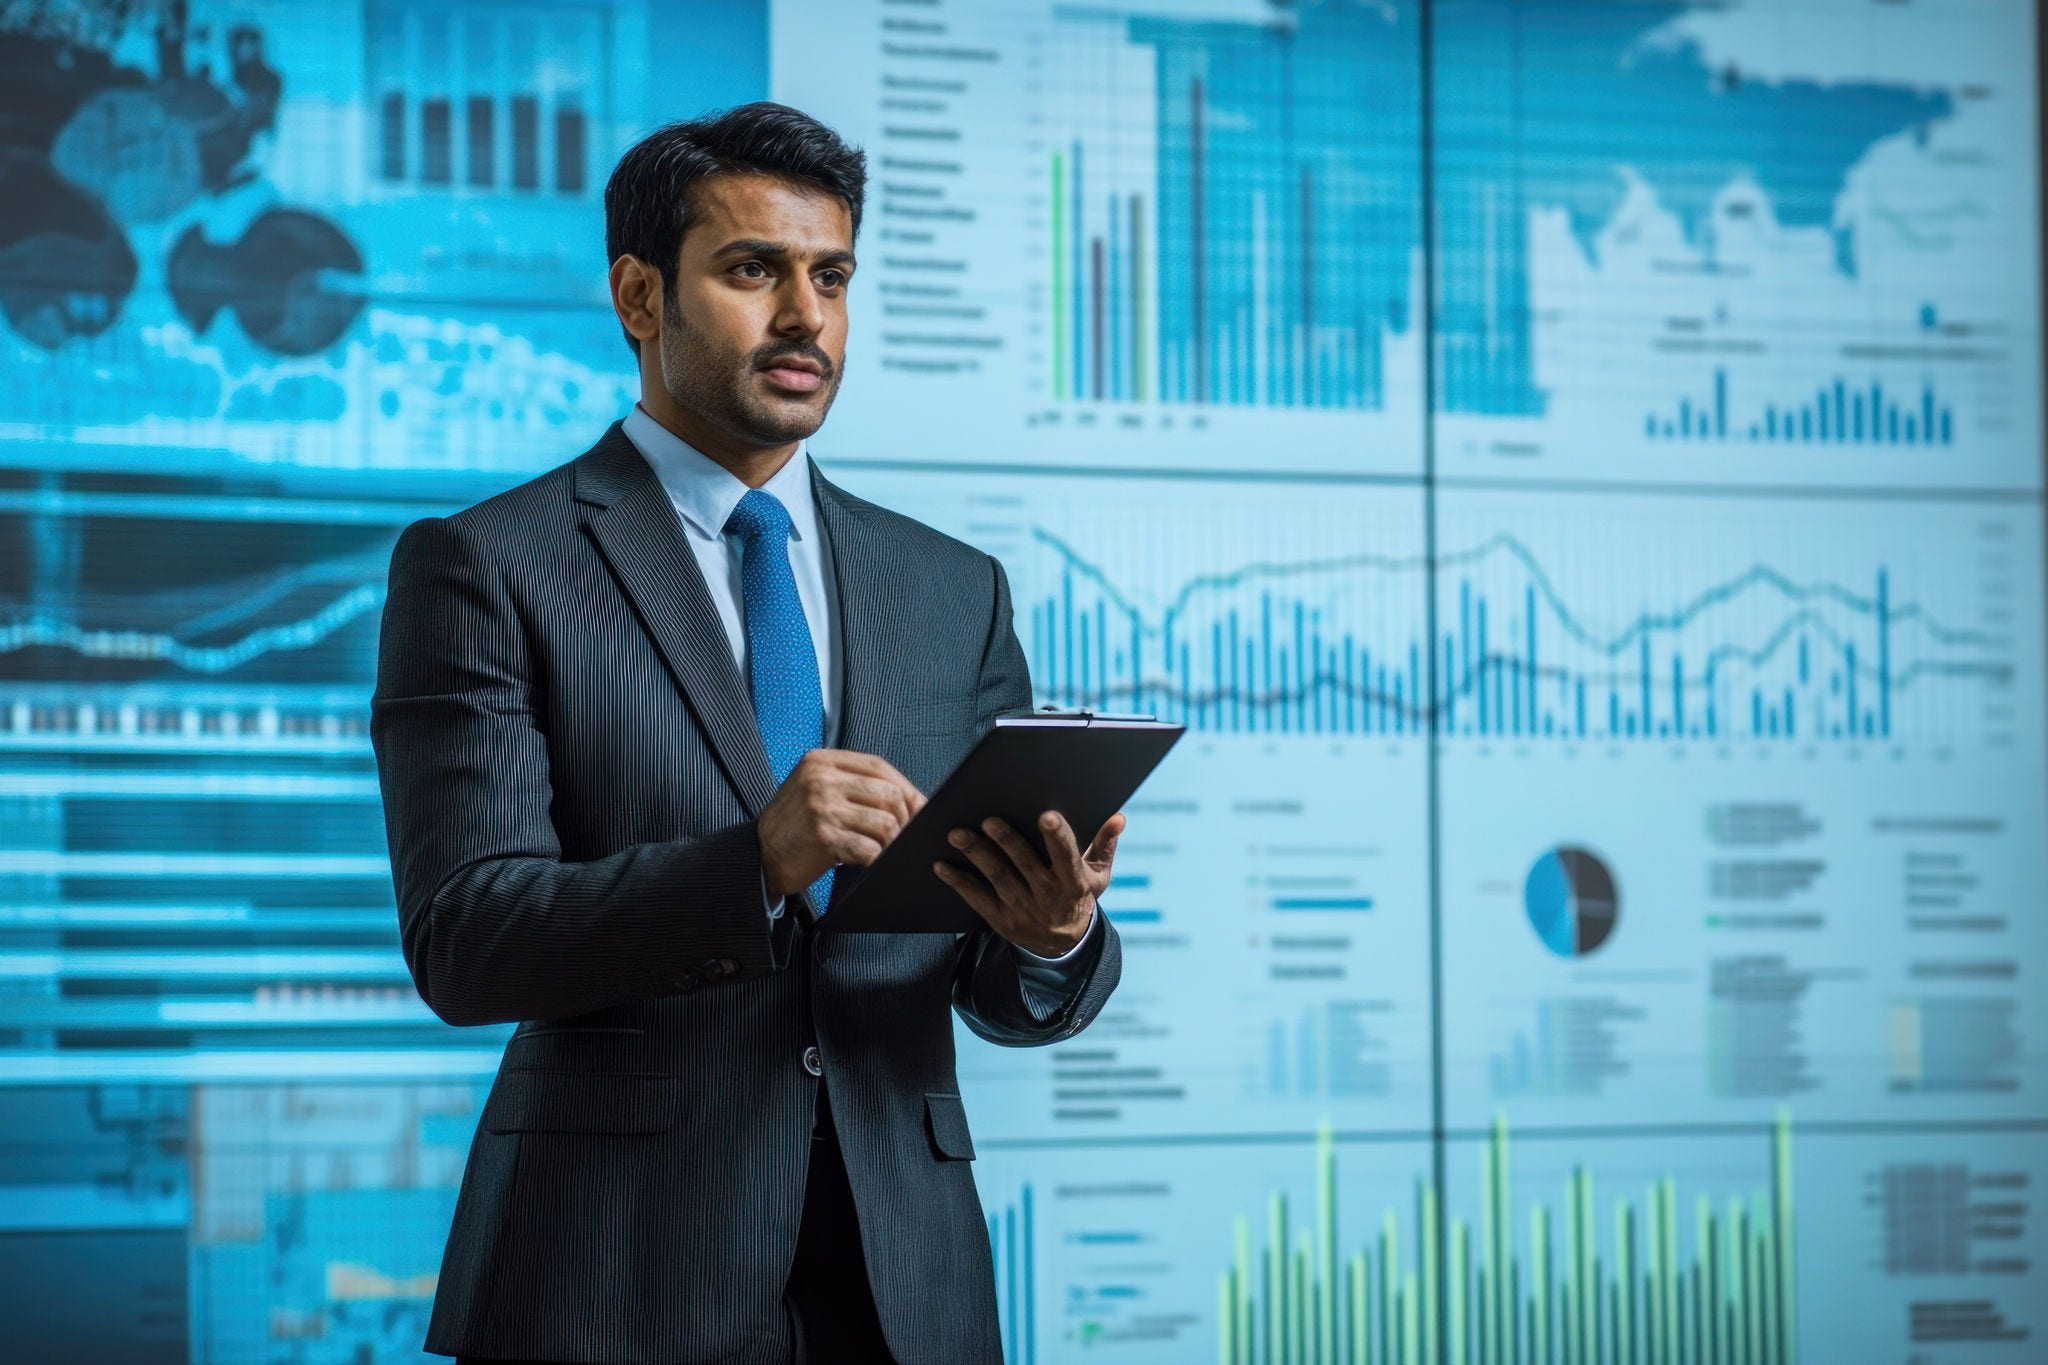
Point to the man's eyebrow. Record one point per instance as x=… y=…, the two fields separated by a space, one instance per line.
x=756 y=246
x=752 y=246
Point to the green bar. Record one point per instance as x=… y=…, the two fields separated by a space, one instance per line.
x=1358 y=1315
x=1460 y=1272
x=1226 y=1330
x=1276 y=1274
x=1389 y=1320
x=1767 y=1280
x=1589 y=1283
x=1059 y=276
x=1668 y=1192
x=1738 y=1240
x=1297 y=1351
x=1613 y=1320
x=1503 y=1232
x=1326 y=1251
x=1781 y=1206
x=1754 y=1286
x=1489 y=1250
x=1428 y=1308
x=1411 y=1336
x=1624 y=1278
x=1539 y=1258
x=1689 y=1313
x=1710 y=1256
x=1574 y=1349
x=1243 y=1346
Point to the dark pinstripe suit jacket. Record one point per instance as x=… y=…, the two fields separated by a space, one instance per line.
x=571 y=771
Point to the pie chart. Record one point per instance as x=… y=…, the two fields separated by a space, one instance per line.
x=1571 y=900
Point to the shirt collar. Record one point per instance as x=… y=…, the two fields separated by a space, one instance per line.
x=705 y=491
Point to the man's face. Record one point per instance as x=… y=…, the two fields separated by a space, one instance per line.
x=753 y=330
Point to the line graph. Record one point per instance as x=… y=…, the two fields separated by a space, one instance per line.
x=160 y=646
x=1831 y=647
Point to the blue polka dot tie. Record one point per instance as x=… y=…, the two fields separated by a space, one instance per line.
x=789 y=705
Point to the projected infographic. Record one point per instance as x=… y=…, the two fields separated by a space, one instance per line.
x=1573 y=465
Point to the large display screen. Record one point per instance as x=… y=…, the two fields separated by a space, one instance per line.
x=1576 y=467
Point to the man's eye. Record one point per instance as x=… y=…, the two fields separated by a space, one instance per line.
x=830 y=279
x=752 y=270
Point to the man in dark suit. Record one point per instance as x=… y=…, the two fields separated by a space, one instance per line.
x=629 y=718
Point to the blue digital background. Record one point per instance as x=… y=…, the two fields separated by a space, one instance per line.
x=1575 y=466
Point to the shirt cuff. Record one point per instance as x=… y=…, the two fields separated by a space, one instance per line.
x=1046 y=983
x=772 y=904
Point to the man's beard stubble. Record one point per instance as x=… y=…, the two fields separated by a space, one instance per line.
x=705 y=382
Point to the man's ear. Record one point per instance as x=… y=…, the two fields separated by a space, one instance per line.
x=636 y=297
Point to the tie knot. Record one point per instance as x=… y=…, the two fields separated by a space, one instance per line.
x=759 y=516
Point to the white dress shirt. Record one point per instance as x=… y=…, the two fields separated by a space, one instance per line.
x=705 y=493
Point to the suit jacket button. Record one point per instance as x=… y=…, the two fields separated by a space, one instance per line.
x=813 y=1062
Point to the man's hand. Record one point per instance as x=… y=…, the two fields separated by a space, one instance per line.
x=836 y=806
x=1041 y=904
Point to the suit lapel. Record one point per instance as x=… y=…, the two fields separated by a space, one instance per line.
x=641 y=538
x=865 y=619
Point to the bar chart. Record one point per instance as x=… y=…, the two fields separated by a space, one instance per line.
x=1758 y=625
x=1252 y=247
x=1662 y=1274
x=1837 y=413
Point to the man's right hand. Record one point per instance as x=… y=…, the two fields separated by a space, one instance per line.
x=836 y=806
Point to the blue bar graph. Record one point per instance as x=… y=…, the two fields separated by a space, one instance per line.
x=1012 y=1240
x=1243 y=268
x=1836 y=413
x=1662 y=694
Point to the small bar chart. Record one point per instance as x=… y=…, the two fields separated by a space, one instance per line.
x=1819 y=687
x=1837 y=413
x=1759 y=625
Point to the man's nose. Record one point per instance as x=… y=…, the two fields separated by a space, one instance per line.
x=801 y=310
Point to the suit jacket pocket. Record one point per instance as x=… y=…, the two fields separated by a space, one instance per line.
x=947 y=1119
x=532 y=1101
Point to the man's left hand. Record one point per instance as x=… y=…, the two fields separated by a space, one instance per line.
x=1041 y=903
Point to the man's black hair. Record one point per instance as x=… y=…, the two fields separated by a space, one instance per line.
x=647 y=201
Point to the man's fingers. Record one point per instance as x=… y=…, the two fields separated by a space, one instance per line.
x=859 y=850
x=970 y=888
x=1022 y=855
x=1060 y=848
x=1103 y=848
x=882 y=795
x=992 y=863
x=869 y=765
x=870 y=821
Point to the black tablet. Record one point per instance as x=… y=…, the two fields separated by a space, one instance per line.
x=1081 y=764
